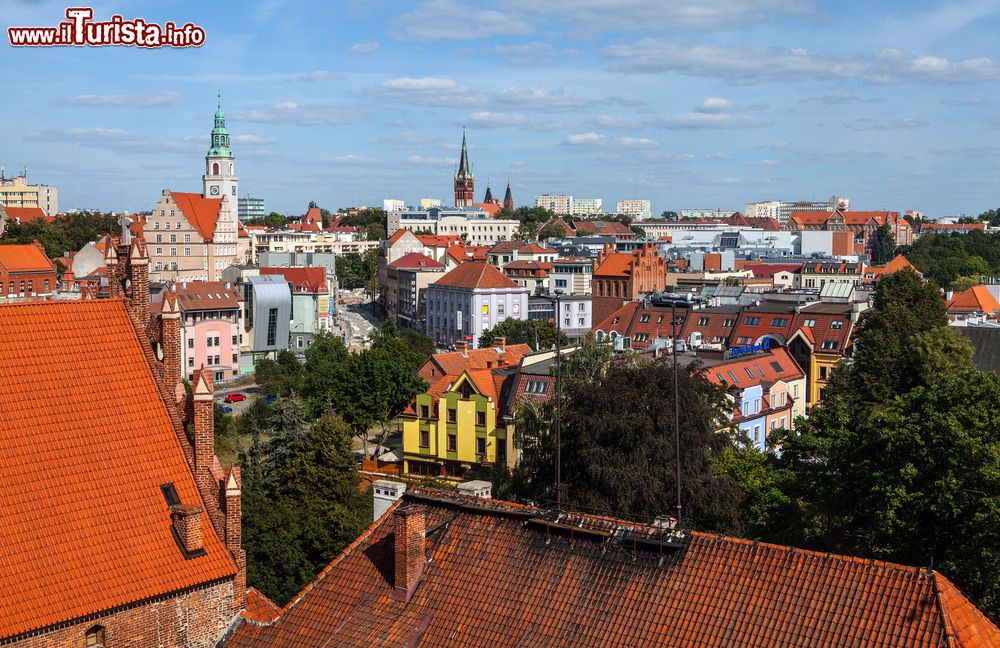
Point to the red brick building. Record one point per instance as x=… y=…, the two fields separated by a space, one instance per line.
x=25 y=271
x=623 y=276
x=118 y=530
x=440 y=569
x=862 y=224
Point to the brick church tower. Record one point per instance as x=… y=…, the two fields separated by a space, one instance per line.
x=464 y=180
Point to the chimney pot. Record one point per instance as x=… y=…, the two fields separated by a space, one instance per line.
x=500 y=342
x=462 y=346
x=410 y=526
x=186 y=519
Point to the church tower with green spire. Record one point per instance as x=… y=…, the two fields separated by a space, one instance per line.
x=465 y=194
x=220 y=180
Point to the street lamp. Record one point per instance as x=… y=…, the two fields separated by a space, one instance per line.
x=558 y=292
x=677 y=410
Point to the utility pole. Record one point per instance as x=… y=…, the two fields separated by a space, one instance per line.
x=677 y=410
x=558 y=292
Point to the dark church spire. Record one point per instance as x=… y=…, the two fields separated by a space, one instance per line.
x=508 y=199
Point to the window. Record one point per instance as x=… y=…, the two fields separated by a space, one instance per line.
x=536 y=387
x=187 y=238
x=752 y=321
x=191 y=362
x=234 y=339
x=31 y=286
x=452 y=415
x=822 y=373
x=641 y=337
x=830 y=344
x=837 y=324
x=760 y=372
x=95 y=637
x=187 y=251
x=20 y=287
x=173 y=251
x=733 y=377
x=425 y=439
x=500 y=309
x=580 y=321
x=190 y=343
x=702 y=321
x=235 y=358
x=749 y=372
x=173 y=238
x=481 y=447
x=809 y=322
x=272 y=326
x=582 y=307
x=776 y=366
x=795 y=390
x=156 y=224
x=756 y=434
x=452 y=443
x=298 y=342
x=743 y=339
x=729 y=323
x=644 y=319
x=779 y=321
x=425 y=411
x=560 y=283
x=170 y=494
x=46 y=285
x=481 y=418
x=159 y=251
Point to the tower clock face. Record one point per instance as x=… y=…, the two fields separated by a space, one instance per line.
x=215 y=190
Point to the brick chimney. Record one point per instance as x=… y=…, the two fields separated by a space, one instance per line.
x=138 y=268
x=186 y=519
x=204 y=429
x=171 y=341
x=111 y=263
x=500 y=343
x=234 y=536
x=410 y=526
x=462 y=346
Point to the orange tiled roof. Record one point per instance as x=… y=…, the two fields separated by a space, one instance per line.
x=977 y=299
x=435 y=240
x=805 y=217
x=25 y=258
x=87 y=443
x=616 y=264
x=476 y=274
x=27 y=214
x=259 y=607
x=778 y=364
x=502 y=574
x=416 y=261
x=453 y=363
x=398 y=234
x=310 y=279
x=201 y=212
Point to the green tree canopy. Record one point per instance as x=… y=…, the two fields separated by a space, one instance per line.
x=538 y=334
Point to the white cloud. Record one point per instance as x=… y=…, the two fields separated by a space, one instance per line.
x=840 y=98
x=525 y=98
x=451 y=20
x=870 y=124
x=718 y=156
x=596 y=139
x=148 y=100
x=714 y=105
x=445 y=92
x=710 y=120
x=489 y=120
x=365 y=48
x=534 y=53
x=753 y=65
x=432 y=161
x=301 y=114
x=637 y=15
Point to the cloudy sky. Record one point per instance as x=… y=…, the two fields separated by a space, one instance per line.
x=691 y=103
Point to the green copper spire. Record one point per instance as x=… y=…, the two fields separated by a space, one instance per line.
x=220 y=136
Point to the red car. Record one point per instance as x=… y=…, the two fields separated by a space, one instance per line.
x=234 y=397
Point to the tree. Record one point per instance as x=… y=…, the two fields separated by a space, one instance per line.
x=526 y=232
x=281 y=377
x=618 y=445
x=641 y=233
x=669 y=215
x=312 y=204
x=355 y=270
x=67 y=233
x=884 y=246
x=375 y=232
x=418 y=343
x=551 y=230
x=538 y=334
x=302 y=506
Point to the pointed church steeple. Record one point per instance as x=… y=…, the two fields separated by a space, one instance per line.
x=488 y=198
x=508 y=199
x=465 y=194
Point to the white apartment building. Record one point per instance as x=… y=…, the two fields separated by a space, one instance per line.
x=16 y=192
x=393 y=205
x=586 y=206
x=560 y=204
x=763 y=209
x=473 y=224
x=638 y=209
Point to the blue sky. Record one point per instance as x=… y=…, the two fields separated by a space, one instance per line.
x=692 y=103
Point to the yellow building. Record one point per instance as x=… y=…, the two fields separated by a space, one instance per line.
x=16 y=192
x=822 y=333
x=455 y=426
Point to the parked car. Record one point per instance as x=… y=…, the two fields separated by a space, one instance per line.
x=268 y=400
x=235 y=397
x=224 y=408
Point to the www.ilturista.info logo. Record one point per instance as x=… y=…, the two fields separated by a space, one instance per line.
x=79 y=30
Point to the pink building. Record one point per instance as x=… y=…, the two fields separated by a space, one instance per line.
x=210 y=331
x=778 y=406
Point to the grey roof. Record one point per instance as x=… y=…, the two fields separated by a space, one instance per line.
x=985 y=346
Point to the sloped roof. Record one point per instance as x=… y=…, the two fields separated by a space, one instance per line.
x=806 y=217
x=259 y=607
x=310 y=279
x=26 y=214
x=476 y=274
x=87 y=443
x=502 y=574
x=771 y=269
x=453 y=363
x=201 y=212
x=762 y=365
x=25 y=258
x=977 y=299
x=602 y=228
x=440 y=240
x=416 y=261
x=205 y=295
x=462 y=253
x=616 y=264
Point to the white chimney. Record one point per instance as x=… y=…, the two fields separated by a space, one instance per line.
x=477 y=488
x=385 y=493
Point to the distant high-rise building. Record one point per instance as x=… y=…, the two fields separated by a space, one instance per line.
x=637 y=208
x=249 y=208
x=560 y=203
x=16 y=192
x=586 y=206
x=393 y=205
x=465 y=194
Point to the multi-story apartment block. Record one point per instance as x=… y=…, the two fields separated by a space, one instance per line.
x=561 y=204
x=16 y=192
x=638 y=209
x=250 y=208
x=572 y=275
x=470 y=223
x=472 y=298
x=586 y=206
x=405 y=288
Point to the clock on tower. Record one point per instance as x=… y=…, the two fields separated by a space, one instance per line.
x=220 y=180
